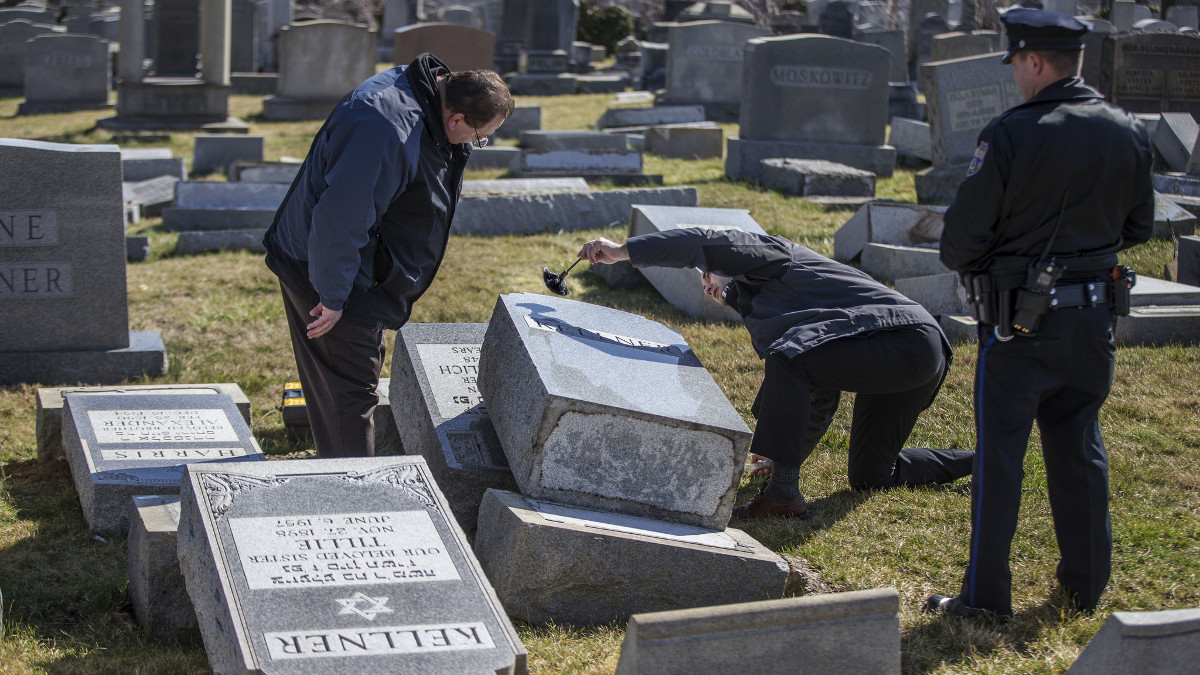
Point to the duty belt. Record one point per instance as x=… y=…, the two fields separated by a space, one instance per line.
x=1083 y=294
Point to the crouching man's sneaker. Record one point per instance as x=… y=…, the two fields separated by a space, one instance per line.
x=954 y=606
x=763 y=506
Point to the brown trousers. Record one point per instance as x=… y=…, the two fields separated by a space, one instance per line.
x=339 y=373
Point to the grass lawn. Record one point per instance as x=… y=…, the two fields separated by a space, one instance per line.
x=220 y=316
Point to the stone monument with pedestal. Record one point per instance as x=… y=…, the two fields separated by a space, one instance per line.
x=319 y=63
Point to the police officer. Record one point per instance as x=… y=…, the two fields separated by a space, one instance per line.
x=1058 y=185
x=823 y=328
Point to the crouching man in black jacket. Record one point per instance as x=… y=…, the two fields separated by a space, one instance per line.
x=823 y=328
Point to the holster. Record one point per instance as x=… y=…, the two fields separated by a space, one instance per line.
x=1120 y=290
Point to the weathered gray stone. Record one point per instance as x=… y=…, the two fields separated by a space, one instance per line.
x=198 y=220
x=816 y=177
x=705 y=63
x=246 y=171
x=150 y=196
x=1158 y=326
x=959 y=328
x=1174 y=138
x=253 y=84
x=893 y=42
x=14 y=35
x=223 y=195
x=588 y=436
x=135 y=169
x=551 y=563
x=958 y=45
x=961 y=97
x=156 y=591
x=911 y=137
x=1149 y=291
x=682 y=287
x=1136 y=67
x=211 y=241
x=65 y=73
x=434 y=390
x=293 y=563
x=319 y=62
x=137 y=249
x=524 y=186
x=887 y=222
x=888 y=262
x=144 y=357
x=524 y=118
x=601 y=83
x=644 y=117
x=560 y=212
x=939 y=294
x=852 y=632
x=939 y=185
x=1170 y=219
x=1143 y=643
x=743 y=158
x=50 y=406
x=541 y=84
x=125 y=444
x=494 y=157
x=699 y=140
x=214 y=153
x=571 y=139
x=574 y=162
x=1187 y=260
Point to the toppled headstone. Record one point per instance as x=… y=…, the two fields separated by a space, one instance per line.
x=1143 y=643
x=1187 y=260
x=156 y=591
x=699 y=140
x=524 y=186
x=214 y=153
x=1170 y=219
x=150 y=196
x=682 y=287
x=1174 y=138
x=214 y=205
x=580 y=162
x=939 y=294
x=247 y=171
x=886 y=222
x=50 y=407
x=556 y=563
x=435 y=391
x=138 y=164
x=852 y=632
x=125 y=444
x=816 y=178
x=888 y=262
x=911 y=137
x=571 y=139
x=296 y=566
x=643 y=117
x=524 y=118
x=560 y=211
x=586 y=400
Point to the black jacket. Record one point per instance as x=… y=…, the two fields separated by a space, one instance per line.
x=365 y=224
x=790 y=298
x=1065 y=142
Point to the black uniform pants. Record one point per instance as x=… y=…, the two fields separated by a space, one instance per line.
x=339 y=373
x=895 y=373
x=1059 y=378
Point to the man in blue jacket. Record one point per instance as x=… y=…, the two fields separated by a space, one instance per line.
x=364 y=226
x=823 y=328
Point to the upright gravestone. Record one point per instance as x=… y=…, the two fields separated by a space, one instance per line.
x=13 y=37
x=704 y=65
x=956 y=45
x=893 y=42
x=835 y=92
x=434 y=389
x=308 y=565
x=837 y=20
x=273 y=15
x=461 y=47
x=917 y=11
x=682 y=287
x=65 y=73
x=217 y=151
x=122 y=444
x=550 y=30
x=177 y=32
x=243 y=41
x=587 y=400
x=319 y=63
x=1152 y=72
x=62 y=257
x=1093 y=50
x=930 y=27
x=396 y=14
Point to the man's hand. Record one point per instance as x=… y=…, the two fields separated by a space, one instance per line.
x=604 y=251
x=326 y=318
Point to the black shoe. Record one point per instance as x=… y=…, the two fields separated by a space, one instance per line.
x=763 y=506
x=954 y=606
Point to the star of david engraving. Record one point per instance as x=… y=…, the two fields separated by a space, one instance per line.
x=373 y=607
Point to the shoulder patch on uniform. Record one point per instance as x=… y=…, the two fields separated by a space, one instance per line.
x=977 y=160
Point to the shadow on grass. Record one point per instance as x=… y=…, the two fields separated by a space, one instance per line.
x=952 y=641
x=782 y=533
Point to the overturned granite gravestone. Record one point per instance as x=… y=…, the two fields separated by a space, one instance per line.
x=156 y=591
x=1143 y=643
x=124 y=444
x=434 y=390
x=852 y=632
x=588 y=400
x=682 y=287
x=355 y=565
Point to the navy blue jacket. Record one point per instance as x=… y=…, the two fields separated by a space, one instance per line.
x=791 y=298
x=365 y=224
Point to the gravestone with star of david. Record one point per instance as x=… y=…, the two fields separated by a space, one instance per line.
x=336 y=565
x=122 y=444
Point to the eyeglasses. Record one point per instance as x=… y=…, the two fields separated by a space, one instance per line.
x=480 y=142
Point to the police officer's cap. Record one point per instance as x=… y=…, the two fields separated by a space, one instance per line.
x=1041 y=29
